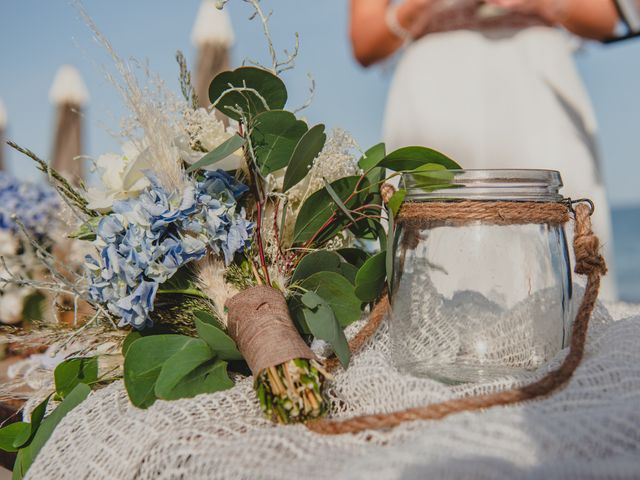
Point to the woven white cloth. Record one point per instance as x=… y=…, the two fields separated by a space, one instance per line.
x=590 y=429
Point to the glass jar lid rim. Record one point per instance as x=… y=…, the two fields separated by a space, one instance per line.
x=507 y=184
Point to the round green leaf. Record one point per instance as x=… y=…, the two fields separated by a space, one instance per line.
x=189 y=356
x=209 y=377
x=11 y=434
x=266 y=84
x=323 y=260
x=219 y=342
x=338 y=292
x=274 y=136
x=74 y=371
x=143 y=363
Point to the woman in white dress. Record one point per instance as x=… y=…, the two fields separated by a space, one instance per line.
x=493 y=85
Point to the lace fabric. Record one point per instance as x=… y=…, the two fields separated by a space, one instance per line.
x=589 y=429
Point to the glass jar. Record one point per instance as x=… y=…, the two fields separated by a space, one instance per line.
x=474 y=301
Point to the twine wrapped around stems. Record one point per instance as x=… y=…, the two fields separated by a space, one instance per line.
x=589 y=262
x=260 y=324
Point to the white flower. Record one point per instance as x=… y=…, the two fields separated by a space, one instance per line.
x=206 y=129
x=122 y=177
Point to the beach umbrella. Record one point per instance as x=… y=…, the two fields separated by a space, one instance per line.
x=3 y=124
x=69 y=95
x=213 y=35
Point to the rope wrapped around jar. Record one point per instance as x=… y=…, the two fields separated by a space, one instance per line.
x=589 y=262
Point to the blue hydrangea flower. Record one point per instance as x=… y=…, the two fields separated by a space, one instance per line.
x=35 y=205
x=147 y=239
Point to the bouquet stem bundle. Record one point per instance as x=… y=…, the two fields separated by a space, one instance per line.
x=288 y=378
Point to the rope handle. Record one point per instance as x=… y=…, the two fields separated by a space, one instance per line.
x=589 y=262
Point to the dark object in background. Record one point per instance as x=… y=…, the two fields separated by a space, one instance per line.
x=629 y=11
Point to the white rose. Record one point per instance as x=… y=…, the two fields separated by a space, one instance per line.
x=122 y=177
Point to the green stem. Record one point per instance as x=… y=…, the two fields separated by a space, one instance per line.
x=185 y=291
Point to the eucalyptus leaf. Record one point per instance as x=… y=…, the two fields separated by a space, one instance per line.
x=338 y=292
x=11 y=434
x=219 y=153
x=307 y=149
x=395 y=202
x=250 y=80
x=131 y=337
x=219 y=342
x=27 y=455
x=323 y=260
x=208 y=318
x=319 y=207
x=193 y=353
x=37 y=415
x=143 y=363
x=210 y=377
x=336 y=198
x=370 y=277
x=372 y=157
x=354 y=256
x=274 y=136
x=410 y=158
x=87 y=230
x=323 y=324
x=70 y=373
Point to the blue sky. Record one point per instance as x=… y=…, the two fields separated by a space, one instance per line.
x=37 y=36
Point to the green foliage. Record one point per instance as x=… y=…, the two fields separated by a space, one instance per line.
x=87 y=230
x=10 y=435
x=372 y=157
x=217 y=339
x=71 y=372
x=171 y=367
x=354 y=256
x=323 y=260
x=45 y=428
x=274 y=136
x=338 y=292
x=395 y=202
x=370 y=278
x=306 y=150
x=221 y=152
x=323 y=324
x=410 y=158
x=255 y=87
x=129 y=339
x=319 y=207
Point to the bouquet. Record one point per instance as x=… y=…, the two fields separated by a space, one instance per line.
x=222 y=252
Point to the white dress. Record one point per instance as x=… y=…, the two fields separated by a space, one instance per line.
x=502 y=98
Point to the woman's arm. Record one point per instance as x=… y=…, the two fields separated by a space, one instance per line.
x=587 y=18
x=371 y=38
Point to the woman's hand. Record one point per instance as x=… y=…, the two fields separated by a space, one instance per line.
x=592 y=19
